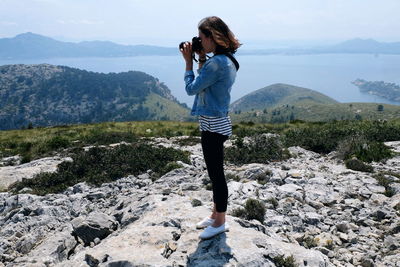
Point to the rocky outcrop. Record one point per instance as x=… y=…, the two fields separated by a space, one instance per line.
x=11 y=174
x=317 y=211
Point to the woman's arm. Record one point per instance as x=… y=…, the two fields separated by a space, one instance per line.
x=208 y=75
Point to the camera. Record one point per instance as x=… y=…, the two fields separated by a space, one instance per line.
x=196 y=44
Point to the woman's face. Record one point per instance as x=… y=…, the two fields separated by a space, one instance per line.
x=207 y=42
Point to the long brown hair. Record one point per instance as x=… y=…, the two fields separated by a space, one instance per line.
x=224 y=38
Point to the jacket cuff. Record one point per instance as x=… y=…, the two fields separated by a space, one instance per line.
x=189 y=73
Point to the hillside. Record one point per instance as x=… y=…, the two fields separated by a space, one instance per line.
x=51 y=95
x=277 y=95
x=29 y=45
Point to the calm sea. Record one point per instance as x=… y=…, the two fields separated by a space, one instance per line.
x=330 y=74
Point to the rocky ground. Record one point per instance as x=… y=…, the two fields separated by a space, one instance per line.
x=318 y=211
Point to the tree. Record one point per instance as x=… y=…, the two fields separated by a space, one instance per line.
x=380 y=108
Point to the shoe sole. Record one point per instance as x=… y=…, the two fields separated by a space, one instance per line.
x=206 y=238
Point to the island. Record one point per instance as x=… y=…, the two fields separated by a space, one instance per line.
x=383 y=89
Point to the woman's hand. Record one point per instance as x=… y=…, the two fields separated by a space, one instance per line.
x=187 y=55
x=187 y=52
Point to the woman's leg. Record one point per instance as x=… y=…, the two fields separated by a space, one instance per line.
x=213 y=145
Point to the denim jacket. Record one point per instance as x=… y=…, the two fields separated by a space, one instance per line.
x=212 y=86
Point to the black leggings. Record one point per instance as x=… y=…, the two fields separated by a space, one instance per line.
x=213 y=151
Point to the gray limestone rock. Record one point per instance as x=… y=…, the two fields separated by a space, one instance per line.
x=96 y=225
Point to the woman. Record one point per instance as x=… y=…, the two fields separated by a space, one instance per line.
x=212 y=89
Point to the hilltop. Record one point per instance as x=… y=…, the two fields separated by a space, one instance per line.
x=277 y=95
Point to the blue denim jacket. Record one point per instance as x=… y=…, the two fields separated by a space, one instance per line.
x=212 y=86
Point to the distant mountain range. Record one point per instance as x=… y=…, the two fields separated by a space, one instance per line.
x=29 y=45
x=47 y=95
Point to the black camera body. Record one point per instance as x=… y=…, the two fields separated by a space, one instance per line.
x=196 y=44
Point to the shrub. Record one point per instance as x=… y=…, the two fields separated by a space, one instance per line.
x=253 y=209
x=239 y=212
x=309 y=242
x=273 y=201
x=385 y=182
x=281 y=261
x=99 y=165
x=189 y=141
x=259 y=149
x=26 y=157
x=263 y=178
x=359 y=147
x=357 y=165
x=232 y=176
x=324 y=137
x=57 y=142
x=99 y=137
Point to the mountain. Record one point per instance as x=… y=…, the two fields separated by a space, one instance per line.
x=29 y=45
x=353 y=46
x=49 y=95
x=279 y=94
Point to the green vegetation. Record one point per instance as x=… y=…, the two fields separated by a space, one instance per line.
x=253 y=209
x=385 y=181
x=273 y=202
x=47 y=141
x=309 y=242
x=99 y=165
x=362 y=149
x=358 y=165
x=282 y=261
x=324 y=137
x=315 y=112
x=259 y=148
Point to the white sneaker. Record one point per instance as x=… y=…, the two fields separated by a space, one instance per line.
x=204 y=223
x=211 y=231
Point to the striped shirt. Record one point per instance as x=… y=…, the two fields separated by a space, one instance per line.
x=221 y=125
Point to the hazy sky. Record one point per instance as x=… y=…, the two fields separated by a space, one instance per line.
x=168 y=22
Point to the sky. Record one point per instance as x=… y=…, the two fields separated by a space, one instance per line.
x=262 y=23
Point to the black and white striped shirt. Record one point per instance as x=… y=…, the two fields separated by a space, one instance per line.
x=221 y=125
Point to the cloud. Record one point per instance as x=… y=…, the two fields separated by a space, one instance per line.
x=80 y=22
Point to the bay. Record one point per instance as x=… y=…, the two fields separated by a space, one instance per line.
x=330 y=74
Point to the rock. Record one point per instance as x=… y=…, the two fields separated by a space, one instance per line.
x=343 y=227
x=392 y=242
x=95 y=225
x=312 y=218
x=12 y=174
